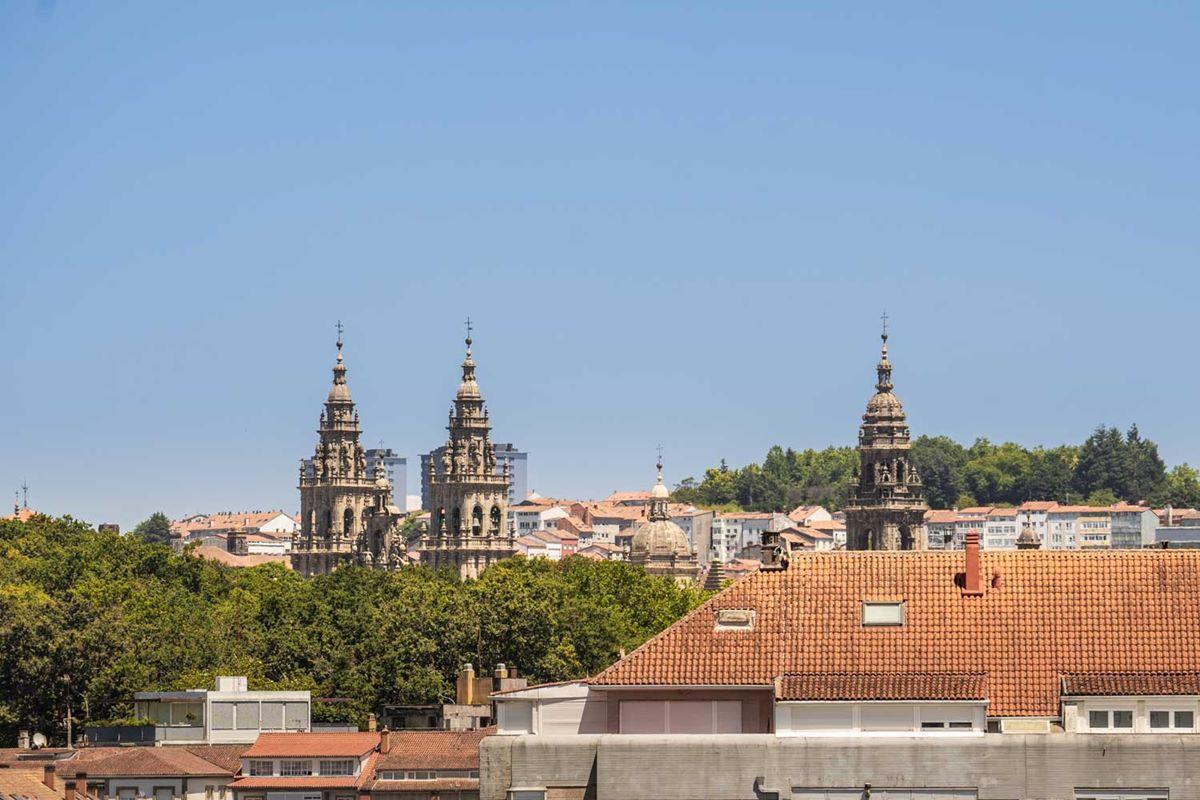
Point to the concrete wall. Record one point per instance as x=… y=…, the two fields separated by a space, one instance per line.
x=997 y=766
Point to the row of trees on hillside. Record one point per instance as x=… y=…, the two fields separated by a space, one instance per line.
x=95 y=617
x=1107 y=467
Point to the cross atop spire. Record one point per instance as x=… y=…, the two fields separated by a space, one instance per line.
x=660 y=462
x=885 y=320
x=470 y=328
x=339 y=340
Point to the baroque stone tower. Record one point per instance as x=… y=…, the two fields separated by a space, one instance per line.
x=469 y=525
x=339 y=501
x=887 y=507
x=659 y=545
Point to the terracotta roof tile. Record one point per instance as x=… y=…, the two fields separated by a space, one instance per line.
x=1050 y=613
x=435 y=785
x=229 y=559
x=882 y=686
x=1132 y=683
x=27 y=784
x=114 y=762
x=284 y=745
x=433 y=750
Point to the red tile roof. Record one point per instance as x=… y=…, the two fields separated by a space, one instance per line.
x=1042 y=614
x=229 y=559
x=433 y=750
x=116 y=762
x=1132 y=683
x=435 y=785
x=303 y=782
x=27 y=784
x=315 y=745
x=1037 y=505
x=881 y=686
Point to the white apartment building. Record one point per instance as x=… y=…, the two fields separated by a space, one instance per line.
x=1000 y=529
x=228 y=714
x=1035 y=514
x=733 y=532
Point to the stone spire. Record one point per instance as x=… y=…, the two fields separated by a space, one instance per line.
x=469 y=529
x=886 y=510
x=337 y=495
x=659 y=496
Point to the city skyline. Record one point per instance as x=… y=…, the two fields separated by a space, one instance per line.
x=689 y=243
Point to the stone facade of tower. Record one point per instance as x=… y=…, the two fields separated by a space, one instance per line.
x=468 y=530
x=346 y=515
x=887 y=507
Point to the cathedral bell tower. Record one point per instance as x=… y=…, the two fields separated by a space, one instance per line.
x=337 y=496
x=887 y=507
x=469 y=525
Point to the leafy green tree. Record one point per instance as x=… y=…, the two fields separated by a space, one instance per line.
x=1180 y=489
x=939 y=461
x=156 y=529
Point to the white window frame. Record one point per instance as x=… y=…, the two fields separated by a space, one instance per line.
x=287 y=767
x=1109 y=708
x=922 y=711
x=328 y=764
x=255 y=765
x=1171 y=709
x=883 y=620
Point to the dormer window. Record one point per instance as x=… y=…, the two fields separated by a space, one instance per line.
x=735 y=619
x=882 y=614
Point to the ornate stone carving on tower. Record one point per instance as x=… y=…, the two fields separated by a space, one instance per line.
x=346 y=515
x=468 y=529
x=661 y=546
x=887 y=507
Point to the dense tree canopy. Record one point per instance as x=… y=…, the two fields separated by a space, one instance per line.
x=156 y=529
x=117 y=615
x=1108 y=466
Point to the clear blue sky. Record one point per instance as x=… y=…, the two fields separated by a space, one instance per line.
x=672 y=222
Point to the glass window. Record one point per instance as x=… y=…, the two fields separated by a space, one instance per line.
x=1097 y=719
x=338 y=766
x=1122 y=719
x=882 y=613
x=222 y=716
x=247 y=716
x=261 y=768
x=293 y=768
x=1160 y=719
x=187 y=713
x=296 y=716
x=272 y=716
x=1185 y=719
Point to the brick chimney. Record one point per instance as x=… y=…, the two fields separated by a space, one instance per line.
x=48 y=776
x=466 y=685
x=385 y=741
x=372 y=723
x=81 y=782
x=973 y=577
x=69 y=790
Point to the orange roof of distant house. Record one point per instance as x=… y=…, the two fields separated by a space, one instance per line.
x=1037 y=505
x=1049 y=614
x=628 y=497
x=433 y=750
x=941 y=515
x=207 y=551
x=27 y=783
x=22 y=514
x=1123 y=506
x=585 y=553
x=225 y=521
x=827 y=524
x=1002 y=512
x=314 y=745
x=748 y=515
x=104 y=762
x=975 y=510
